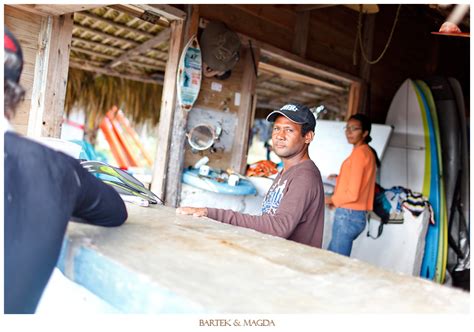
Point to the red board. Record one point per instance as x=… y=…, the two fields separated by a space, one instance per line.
x=452 y=34
x=115 y=146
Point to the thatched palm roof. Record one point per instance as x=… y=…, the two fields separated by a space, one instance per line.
x=96 y=94
x=118 y=59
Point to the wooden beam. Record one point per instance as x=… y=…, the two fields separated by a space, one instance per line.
x=113 y=48
x=84 y=62
x=354 y=102
x=276 y=16
x=274 y=87
x=35 y=116
x=168 y=108
x=93 y=53
x=368 y=43
x=109 y=57
x=293 y=76
x=299 y=93
x=151 y=63
x=180 y=122
x=51 y=69
x=303 y=8
x=365 y=67
x=266 y=105
x=83 y=65
x=300 y=42
x=103 y=34
x=157 y=40
x=367 y=9
x=110 y=22
x=261 y=79
x=192 y=23
x=92 y=43
x=297 y=62
x=57 y=75
x=169 y=12
x=246 y=110
x=142 y=14
x=252 y=26
x=149 y=66
x=55 y=10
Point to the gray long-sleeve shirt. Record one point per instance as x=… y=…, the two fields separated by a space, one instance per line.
x=293 y=207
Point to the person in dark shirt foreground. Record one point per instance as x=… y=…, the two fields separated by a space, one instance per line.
x=43 y=190
x=293 y=207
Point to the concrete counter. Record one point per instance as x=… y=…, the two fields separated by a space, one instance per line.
x=160 y=262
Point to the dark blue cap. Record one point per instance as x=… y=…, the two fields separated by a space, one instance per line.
x=296 y=113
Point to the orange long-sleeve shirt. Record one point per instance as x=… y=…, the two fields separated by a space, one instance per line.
x=355 y=185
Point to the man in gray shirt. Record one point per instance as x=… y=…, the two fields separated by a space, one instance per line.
x=293 y=207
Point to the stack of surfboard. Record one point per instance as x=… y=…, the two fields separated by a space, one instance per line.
x=123 y=140
x=426 y=153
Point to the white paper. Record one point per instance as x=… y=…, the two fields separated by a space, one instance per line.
x=237 y=99
x=216 y=86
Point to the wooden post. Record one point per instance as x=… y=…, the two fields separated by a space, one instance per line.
x=300 y=43
x=168 y=108
x=51 y=70
x=246 y=109
x=178 y=138
x=354 y=102
x=35 y=116
x=57 y=75
x=365 y=67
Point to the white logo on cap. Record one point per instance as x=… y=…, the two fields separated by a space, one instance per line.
x=289 y=107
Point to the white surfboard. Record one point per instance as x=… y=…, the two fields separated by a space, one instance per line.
x=404 y=163
x=330 y=148
x=399 y=248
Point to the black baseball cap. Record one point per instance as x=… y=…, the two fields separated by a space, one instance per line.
x=12 y=69
x=297 y=113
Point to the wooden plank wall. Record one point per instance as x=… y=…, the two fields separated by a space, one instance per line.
x=332 y=38
x=221 y=101
x=26 y=28
x=409 y=55
x=246 y=110
x=45 y=42
x=267 y=23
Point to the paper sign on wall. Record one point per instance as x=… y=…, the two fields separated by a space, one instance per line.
x=237 y=99
x=216 y=86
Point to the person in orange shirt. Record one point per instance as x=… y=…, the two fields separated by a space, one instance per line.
x=354 y=192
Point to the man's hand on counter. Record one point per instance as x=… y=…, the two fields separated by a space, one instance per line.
x=195 y=212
